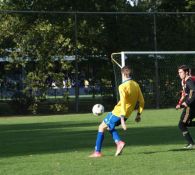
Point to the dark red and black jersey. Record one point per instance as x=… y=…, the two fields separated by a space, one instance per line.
x=193 y=78
x=190 y=92
x=184 y=94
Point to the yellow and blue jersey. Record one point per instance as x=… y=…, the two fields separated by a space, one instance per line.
x=130 y=95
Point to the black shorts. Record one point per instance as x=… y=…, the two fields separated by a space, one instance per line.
x=119 y=122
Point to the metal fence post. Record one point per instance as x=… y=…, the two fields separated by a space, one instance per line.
x=156 y=65
x=76 y=66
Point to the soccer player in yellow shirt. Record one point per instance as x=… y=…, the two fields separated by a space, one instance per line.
x=130 y=95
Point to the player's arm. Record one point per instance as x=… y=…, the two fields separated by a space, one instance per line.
x=141 y=105
x=193 y=78
x=179 y=104
x=123 y=109
x=191 y=98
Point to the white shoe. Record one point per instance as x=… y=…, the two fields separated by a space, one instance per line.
x=189 y=146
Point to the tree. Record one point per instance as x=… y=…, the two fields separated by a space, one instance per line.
x=37 y=40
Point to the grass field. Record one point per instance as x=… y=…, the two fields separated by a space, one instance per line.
x=60 y=145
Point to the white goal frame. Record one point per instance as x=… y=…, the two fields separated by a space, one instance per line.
x=122 y=56
x=123 y=53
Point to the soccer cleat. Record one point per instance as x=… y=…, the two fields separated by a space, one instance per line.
x=120 y=145
x=189 y=146
x=96 y=154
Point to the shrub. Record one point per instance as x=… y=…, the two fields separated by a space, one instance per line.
x=20 y=102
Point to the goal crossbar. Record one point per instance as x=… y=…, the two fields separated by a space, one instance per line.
x=123 y=53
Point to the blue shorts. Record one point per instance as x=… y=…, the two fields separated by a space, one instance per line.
x=112 y=120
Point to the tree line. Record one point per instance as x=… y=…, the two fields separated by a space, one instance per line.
x=37 y=41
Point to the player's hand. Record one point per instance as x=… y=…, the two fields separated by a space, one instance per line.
x=123 y=123
x=178 y=106
x=184 y=104
x=138 y=118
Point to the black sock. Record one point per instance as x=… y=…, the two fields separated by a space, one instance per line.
x=188 y=137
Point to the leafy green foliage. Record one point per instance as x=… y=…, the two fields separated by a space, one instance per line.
x=21 y=103
x=38 y=42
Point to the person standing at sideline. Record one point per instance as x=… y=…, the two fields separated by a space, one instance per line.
x=130 y=95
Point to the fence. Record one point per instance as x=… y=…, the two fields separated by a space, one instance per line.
x=45 y=40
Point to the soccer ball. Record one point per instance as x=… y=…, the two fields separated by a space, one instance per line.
x=98 y=109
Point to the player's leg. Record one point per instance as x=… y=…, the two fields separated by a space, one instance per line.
x=115 y=135
x=183 y=127
x=191 y=122
x=111 y=122
x=119 y=143
x=100 y=137
x=99 y=140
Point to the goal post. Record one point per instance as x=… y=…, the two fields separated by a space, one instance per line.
x=156 y=72
x=122 y=61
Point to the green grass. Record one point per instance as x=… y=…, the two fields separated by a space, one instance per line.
x=60 y=145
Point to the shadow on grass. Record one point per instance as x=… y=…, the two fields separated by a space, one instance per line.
x=170 y=150
x=56 y=137
x=43 y=126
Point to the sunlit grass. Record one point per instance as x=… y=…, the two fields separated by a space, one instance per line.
x=60 y=145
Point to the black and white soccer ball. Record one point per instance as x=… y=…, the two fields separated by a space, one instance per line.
x=98 y=109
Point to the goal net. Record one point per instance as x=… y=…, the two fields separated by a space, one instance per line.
x=156 y=73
